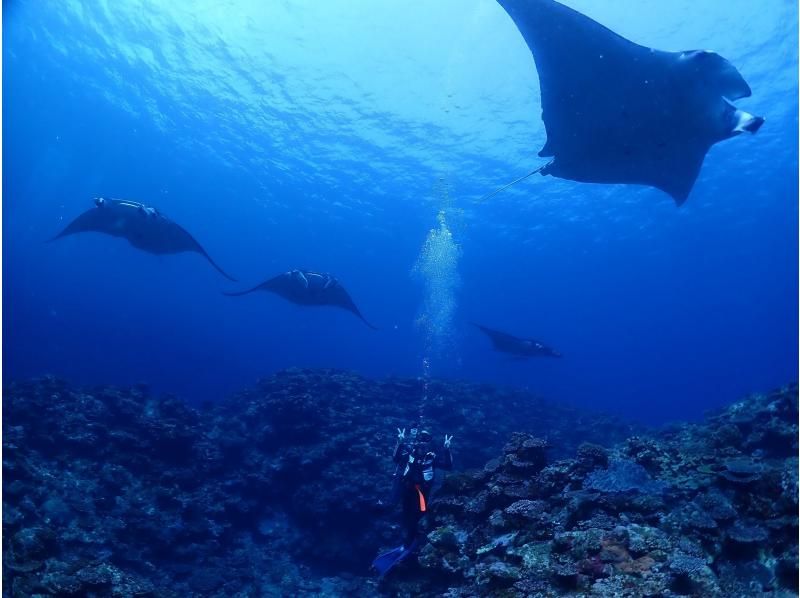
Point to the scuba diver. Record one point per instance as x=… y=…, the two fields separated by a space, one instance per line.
x=416 y=463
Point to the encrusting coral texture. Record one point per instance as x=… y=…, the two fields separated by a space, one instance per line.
x=284 y=489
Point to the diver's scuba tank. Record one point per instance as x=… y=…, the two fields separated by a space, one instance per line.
x=427 y=466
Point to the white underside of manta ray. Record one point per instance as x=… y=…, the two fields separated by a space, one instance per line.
x=617 y=112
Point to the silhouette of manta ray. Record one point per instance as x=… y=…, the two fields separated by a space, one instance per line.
x=524 y=347
x=308 y=288
x=143 y=226
x=618 y=112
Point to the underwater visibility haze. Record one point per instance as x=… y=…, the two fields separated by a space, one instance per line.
x=349 y=137
x=250 y=246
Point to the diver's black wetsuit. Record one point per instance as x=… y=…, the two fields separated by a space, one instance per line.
x=418 y=462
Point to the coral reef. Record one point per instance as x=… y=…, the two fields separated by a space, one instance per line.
x=280 y=488
x=701 y=510
x=283 y=490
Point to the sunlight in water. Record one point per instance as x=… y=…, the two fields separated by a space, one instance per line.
x=437 y=267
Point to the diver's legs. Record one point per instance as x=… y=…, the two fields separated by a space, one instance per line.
x=411 y=515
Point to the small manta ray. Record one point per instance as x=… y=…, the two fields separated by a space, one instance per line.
x=618 y=112
x=522 y=347
x=143 y=226
x=308 y=288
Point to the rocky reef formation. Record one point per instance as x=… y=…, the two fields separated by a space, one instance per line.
x=115 y=491
x=698 y=510
x=280 y=490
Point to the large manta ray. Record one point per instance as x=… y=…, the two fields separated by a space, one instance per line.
x=143 y=226
x=308 y=288
x=618 y=112
x=522 y=347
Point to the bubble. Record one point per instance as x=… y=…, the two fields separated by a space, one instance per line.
x=437 y=268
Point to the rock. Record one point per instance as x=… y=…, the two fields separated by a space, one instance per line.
x=592 y=456
x=117 y=492
x=744 y=539
x=497 y=575
x=564 y=574
x=527 y=510
x=98 y=576
x=742 y=471
x=33 y=544
x=623 y=476
x=717 y=505
x=447 y=538
x=535 y=558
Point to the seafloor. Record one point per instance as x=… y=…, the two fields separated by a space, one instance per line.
x=281 y=490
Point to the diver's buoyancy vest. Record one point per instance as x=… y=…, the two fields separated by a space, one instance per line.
x=420 y=470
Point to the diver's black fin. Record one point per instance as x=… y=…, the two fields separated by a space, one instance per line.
x=386 y=561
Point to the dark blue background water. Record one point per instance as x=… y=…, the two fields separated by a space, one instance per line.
x=323 y=136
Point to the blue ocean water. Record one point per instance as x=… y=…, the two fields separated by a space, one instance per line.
x=336 y=136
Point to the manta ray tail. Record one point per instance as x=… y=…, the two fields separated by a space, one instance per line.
x=514 y=182
x=240 y=293
x=221 y=271
x=213 y=263
x=363 y=319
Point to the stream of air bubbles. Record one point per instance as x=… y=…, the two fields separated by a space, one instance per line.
x=437 y=268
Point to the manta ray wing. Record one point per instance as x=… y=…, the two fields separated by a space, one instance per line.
x=338 y=296
x=501 y=340
x=93 y=220
x=162 y=235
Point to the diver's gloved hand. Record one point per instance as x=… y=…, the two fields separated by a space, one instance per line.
x=401 y=434
x=447 y=441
